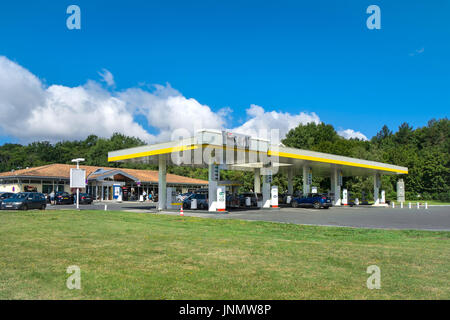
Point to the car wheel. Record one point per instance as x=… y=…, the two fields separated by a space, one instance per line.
x=43 y=207
x=294 y=204
x=316 y=205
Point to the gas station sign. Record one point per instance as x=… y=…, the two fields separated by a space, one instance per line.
x=77 y=178
x=274 y=196
x=220 y=198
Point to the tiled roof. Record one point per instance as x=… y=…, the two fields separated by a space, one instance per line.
x=62 y=171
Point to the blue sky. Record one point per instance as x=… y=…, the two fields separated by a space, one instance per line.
x=285 y=56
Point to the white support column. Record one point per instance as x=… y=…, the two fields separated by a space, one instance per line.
x=162 y=183
x=400 y=191
x=171 y=198
x=257 y=181
x=266 y=191
x=306 y=183
x=290 y=176
x=212 y=189
x=336 y=186
x=376 y=188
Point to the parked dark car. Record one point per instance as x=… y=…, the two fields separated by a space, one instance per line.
x=63 y=198
x=286 y=197
x=282 y=198
x=5 y=195
x=202 y=201
x=85 y=198
x=314 y=200
x=232 y=200
x=253 y=199
x=351 y=199
x=25 y=201
x=183 y=196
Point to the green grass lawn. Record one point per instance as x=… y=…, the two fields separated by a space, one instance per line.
x=146 y=256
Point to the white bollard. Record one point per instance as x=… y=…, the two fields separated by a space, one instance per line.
x=393 y=204
x=409 y=206
x=401 y=205
x=418 y=205
x=426 y=205
x=106 y=207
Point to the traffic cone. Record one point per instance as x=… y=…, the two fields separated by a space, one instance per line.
x=181 y=211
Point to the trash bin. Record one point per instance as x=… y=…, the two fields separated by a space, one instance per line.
x=141 y=198
x=194 y=204
x=288 y=199
x=248 y=202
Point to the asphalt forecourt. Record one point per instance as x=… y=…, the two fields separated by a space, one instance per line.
x=433 y=218
x=129 y=255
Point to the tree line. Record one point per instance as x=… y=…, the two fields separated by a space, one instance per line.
x=424 y=150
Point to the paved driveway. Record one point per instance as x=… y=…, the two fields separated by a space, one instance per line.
x=435 y=218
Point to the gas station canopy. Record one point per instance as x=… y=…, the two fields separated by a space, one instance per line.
x=223 y=150
x=241 y=152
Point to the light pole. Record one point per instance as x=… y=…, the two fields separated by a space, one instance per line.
x=78 y=160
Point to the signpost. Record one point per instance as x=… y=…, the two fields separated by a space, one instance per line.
x=78 y=178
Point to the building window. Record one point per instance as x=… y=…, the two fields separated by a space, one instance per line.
x=48 y=188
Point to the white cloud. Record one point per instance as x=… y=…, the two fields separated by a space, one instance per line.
x=107 y=77
x=18 y=87
x=30 y=111
x=417 y=52
x=261 y=120
x=350 y=133
x=167 y=110
x=34 y=112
